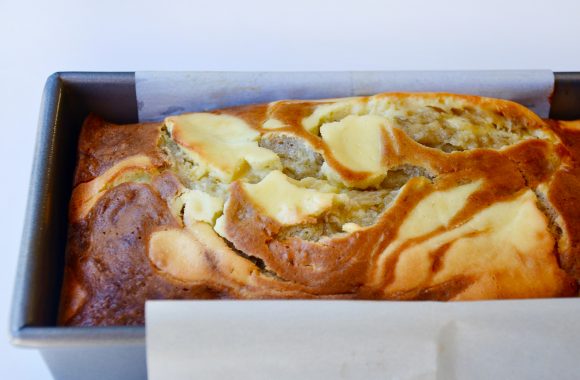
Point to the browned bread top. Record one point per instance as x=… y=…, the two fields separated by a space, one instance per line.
x=395 y=196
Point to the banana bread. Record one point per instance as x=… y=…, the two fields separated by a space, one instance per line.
x=397 y=196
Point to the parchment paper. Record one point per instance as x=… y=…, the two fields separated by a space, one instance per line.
x=533 y=339
x=160 y=94
x=527 y=339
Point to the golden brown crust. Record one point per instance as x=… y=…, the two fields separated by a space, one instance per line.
x=564 y=195
x=127 y=191
x=103 y=144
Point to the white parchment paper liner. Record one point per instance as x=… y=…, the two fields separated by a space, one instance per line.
x=525 y=339
x=160 y=94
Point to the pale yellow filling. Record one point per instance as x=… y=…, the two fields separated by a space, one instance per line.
x=436 y=210
x=285 y=201
x=224 y=146
x=193 y=254
x=199 y=206
x=334 y=111
x=356 y=142
x=273 y=124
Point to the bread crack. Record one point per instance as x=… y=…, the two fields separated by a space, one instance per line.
x=552 y=216
x=187 y=171
x=298 y=159
x=363 y=208
x=258 y=262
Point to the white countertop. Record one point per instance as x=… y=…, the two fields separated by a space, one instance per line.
x=38 y=38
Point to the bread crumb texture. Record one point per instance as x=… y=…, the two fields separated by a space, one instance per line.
x=407 y=196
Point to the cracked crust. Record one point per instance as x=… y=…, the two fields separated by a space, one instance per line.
x=480 y=201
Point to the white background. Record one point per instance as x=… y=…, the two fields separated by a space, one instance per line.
x=38 y=38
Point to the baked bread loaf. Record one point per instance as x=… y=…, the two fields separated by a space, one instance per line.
x=398 y=196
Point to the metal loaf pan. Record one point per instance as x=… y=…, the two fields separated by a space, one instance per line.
x=97 y=352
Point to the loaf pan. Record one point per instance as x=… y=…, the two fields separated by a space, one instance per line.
x=99 y=352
